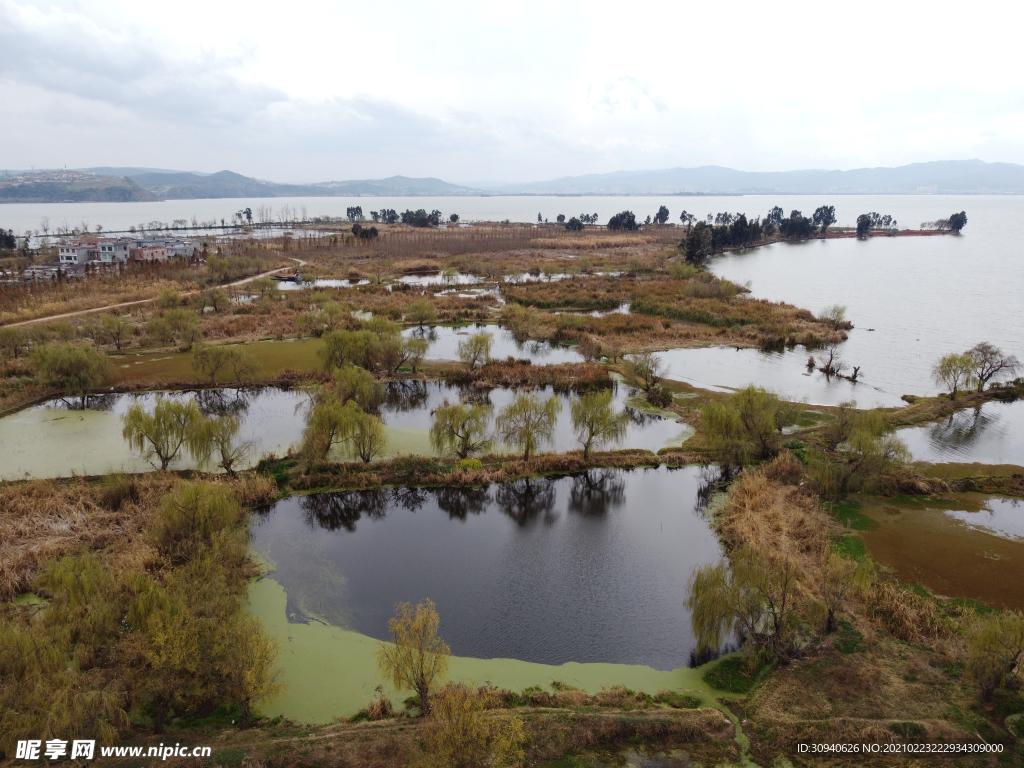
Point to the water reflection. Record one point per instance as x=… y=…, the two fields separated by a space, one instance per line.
x=225 y=402
x=460 y=503
x=527 y=501
x=342 y=510
x=105 y=402
x=991 y=434
x=591 y=568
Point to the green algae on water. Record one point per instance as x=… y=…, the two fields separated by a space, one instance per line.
x=329 y=672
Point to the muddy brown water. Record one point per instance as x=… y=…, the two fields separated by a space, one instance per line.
x=960 y=545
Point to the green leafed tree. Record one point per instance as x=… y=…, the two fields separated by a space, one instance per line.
x=476 y=350
x=461 y=429
x=416 y=658
x=174 y=426
x=527 y=422
x=73 y=370
x=595 y=422
x=421 y=312
x=954 y=372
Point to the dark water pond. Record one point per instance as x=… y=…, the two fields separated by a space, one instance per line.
x=991 y=434
x=590 y=569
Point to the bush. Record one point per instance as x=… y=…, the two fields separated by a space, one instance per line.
x=117 y=490
x=471 y=464
x=734 y=674
x=660 y=397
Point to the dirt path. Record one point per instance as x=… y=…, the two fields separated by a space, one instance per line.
x=106 y=307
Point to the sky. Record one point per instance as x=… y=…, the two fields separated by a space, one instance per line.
x=312 y=90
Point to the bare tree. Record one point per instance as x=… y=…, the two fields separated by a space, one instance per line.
x=989 y=362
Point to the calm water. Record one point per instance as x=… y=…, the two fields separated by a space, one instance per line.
x=991 y=434
x=444 y=344
x=724 y=369
x=924 y=297
x=959 y=545
x=60 y=437
x=909 y=210
x=589 y=569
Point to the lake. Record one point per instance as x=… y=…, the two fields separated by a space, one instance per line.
x=592 y=568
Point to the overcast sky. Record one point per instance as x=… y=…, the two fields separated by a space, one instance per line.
x=311 y=90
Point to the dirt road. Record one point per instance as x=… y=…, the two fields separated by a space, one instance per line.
x=106 y=307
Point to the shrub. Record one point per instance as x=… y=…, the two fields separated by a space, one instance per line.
x=471 y=464
x=660 y=397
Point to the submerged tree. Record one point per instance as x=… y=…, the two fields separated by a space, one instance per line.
x=595 y=422
x=416 y=658
x=460 y=429
x=527 y=422
x=421 y=312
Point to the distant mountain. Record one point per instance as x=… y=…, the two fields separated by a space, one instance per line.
x=108 y=171
x=190 y=186
x=78 y=188
x=942 y=177
x=133 y=184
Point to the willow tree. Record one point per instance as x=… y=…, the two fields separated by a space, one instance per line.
x=216 y=443
x=460 y=429
x=527 y=422
x=329 y=423
x=955 y=372
x=367 y=438
x=754 y=596
x=595 y=422
x=996 y=650
x=421 y=312
x=476 y=350
x=416 y=658
x=72 y=369
x=248 y=668
x=161 y=436
x=463 y=733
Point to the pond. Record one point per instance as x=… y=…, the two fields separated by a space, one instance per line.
x=60 y=437
x=588 y=572
x=590 y=568
x=444 y=344
x=959 y=545
x=991 y=434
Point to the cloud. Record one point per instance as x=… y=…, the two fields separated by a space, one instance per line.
x=69 y=53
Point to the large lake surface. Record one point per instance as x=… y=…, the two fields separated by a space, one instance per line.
x=591 y=568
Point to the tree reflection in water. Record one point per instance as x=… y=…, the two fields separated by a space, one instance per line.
x=405 y=396
x=410 y=499
x=87 y=403
x=527 y=500
x=225 y=402
x=333 y=511
x=960 y=430
x=596 y=492
x=713 y=478
x=459 y=503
